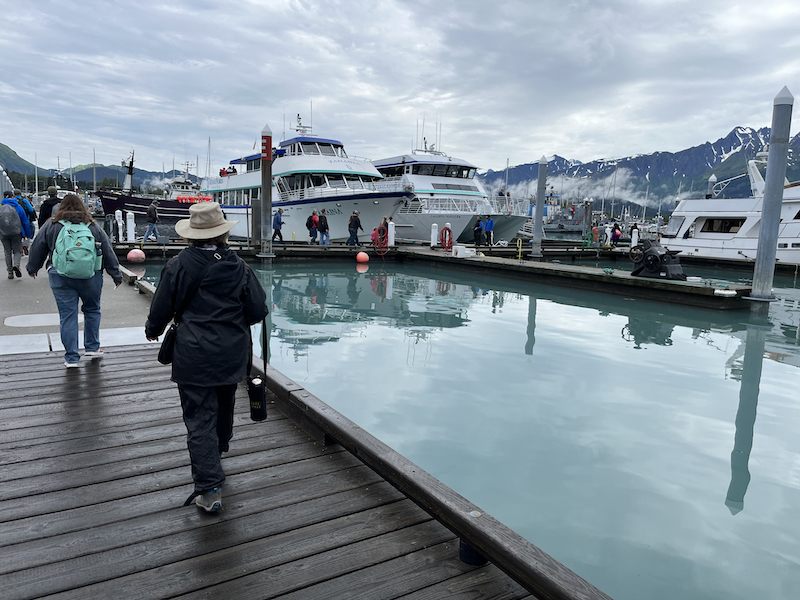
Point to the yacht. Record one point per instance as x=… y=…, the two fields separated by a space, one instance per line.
x=727 y=228
x=308 y=173
x=445 y=190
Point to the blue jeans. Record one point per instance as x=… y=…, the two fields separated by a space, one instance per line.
x=353 y=239
x=67 y=292
x=325 y=238
x=313 y=233
x=151 y=228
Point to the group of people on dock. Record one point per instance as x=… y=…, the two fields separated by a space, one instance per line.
x=212 y=296
x=317 y=225
x=482 y=228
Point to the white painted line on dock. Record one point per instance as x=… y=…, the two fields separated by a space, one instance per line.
x=21 y=344
x=44 y=342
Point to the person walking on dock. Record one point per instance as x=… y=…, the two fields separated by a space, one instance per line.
x=353 y=226
x=76 y=250
x=14 y=226
x=152 y=221
x=218 y=297
x=477 y=231
x=277 y=223
x=488 y=229
x=46 y=209
x=324 y=229
x=312 y=224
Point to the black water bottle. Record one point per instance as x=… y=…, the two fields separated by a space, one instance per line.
x=258 y=397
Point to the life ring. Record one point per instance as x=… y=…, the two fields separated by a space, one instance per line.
x=446 y=238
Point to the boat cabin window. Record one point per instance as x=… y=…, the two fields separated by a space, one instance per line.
x=392 y=171
x=353 y=181
x=731 y=225
x=461 y=172
x=326 y=149
x=674 y=226
x=336 y=180
x=254 y=165
x=318 y=180
x=309 y=148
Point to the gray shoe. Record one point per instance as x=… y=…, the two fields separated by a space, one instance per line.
x=11 y=274
x=210 y=501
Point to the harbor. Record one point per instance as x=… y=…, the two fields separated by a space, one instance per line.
x=409 y=310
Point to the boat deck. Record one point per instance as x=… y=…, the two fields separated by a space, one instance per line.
x=95 y=472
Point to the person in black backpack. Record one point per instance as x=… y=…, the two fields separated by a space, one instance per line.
x=67 y=290
x=14 y=226
x=353 y=226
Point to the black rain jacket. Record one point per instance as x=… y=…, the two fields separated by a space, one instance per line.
x=212 y=344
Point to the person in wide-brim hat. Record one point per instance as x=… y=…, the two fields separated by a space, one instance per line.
x=205 y=221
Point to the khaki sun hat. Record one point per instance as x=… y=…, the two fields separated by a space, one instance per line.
x=205 y=221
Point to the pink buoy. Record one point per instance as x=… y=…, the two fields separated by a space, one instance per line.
x=362 y=257
x=362 y=268
x=136 y=256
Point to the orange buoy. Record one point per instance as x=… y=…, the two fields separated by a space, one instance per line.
x=362 y=257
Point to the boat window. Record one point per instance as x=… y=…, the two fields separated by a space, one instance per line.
x=391 y=171
x=318 y=180
x=731 y=225
x=336 y=180
x=674 y=226
x=290 y=181
x=326 y=149
x=423 y=169
x=440 y=170
x=340 y=151
x=353 y=181
x=453 y=171
x=309 y=148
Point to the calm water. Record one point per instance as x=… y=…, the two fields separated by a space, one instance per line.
x=652 y=448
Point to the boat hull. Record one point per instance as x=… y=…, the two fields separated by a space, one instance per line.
x=416 y=227
x=506 y=227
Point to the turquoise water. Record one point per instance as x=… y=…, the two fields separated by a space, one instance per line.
x=651 y=448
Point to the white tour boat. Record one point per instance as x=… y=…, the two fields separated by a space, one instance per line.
x=446 y=191
x=727 y=228
x=308 y=173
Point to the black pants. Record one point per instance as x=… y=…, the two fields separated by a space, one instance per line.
x=277 y=232
x=208 y=415
x=478 y=235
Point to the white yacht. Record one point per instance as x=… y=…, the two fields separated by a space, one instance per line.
x=308 y=173
x=728 y=228
x=446 y=191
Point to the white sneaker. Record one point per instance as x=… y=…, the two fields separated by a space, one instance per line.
x=70 y=365
x=98 y=352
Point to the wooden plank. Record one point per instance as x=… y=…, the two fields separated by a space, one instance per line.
x=480 y=583
x=295 y=579
x=166 y=497
x=204 y=534
x=49 y=502
x=255 y=557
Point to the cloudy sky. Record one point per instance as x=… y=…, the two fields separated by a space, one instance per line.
x=502 y=79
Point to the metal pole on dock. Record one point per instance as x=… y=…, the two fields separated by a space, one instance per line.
x=764 y=271
x=538 y=226
x=262 y=211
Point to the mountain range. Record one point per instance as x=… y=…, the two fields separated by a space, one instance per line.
x=654 y=180
x=657 y=178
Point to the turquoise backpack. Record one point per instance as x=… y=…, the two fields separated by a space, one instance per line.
x=75 y=255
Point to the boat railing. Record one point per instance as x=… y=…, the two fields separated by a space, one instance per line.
x=391 y=185
x=325 y=192
x=509 y=205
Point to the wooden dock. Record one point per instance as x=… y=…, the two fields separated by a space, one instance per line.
x=95 y=471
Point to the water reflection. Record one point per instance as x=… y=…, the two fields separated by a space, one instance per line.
x=605 y=429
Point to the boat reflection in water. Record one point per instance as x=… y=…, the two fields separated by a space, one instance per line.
x=615 y=434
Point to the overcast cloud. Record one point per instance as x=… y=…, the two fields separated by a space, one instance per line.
x=505 y=79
